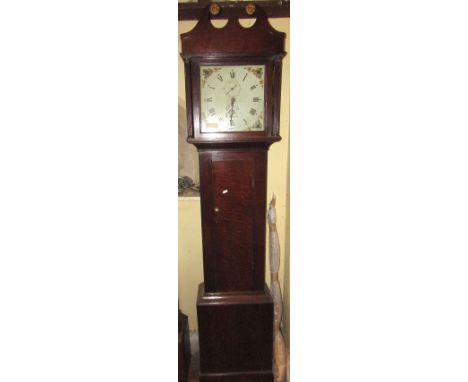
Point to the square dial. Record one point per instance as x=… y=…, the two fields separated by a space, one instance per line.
x=232 y=98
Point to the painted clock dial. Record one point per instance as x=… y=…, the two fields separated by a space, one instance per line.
x=232 y=98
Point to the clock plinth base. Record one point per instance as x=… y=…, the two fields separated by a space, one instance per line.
x=253 y=376
x=235 y=336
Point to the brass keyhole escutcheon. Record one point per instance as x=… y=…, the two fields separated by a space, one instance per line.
x=216 y=210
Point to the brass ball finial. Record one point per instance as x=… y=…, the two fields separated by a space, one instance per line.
x=250 y=9
x=215 y=9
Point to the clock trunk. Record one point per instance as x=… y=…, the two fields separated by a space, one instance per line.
x=233 y=200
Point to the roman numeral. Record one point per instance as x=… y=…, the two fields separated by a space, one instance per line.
x=253 y=87
x=232 y=122
x=232 y=74
x=210 y=99
x=211 y=87
x=219 y=77
x=245 y=76
x=256 y=99
x=211 y=111
x=253 y=111
x=245 y=121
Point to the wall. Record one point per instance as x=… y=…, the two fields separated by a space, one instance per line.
x=190 y=248
x=285 y=258
x=190 y=256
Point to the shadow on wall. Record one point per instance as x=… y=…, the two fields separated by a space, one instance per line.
x=188 y=156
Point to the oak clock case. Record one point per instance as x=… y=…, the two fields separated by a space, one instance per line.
x=232 y=127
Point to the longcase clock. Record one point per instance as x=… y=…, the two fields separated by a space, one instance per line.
x=233 y=86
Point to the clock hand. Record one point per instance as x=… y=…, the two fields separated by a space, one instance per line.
x=232 y=108
x=232 y=88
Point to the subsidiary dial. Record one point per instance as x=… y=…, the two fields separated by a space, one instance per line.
x=232 y=88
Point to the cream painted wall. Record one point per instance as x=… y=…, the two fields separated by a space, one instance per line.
x=190 y=257
x=190 y=247
x=286 y=283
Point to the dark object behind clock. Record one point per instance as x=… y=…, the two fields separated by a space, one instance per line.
x=184 y=347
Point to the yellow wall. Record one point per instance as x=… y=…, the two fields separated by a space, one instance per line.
x=190 y=257
x=190 y=248
x=286 y=274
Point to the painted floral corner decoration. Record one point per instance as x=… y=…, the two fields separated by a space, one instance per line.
x=257 y=72
x=206 y=73
x=257 y=125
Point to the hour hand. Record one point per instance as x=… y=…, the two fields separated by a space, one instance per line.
x=231 y=89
